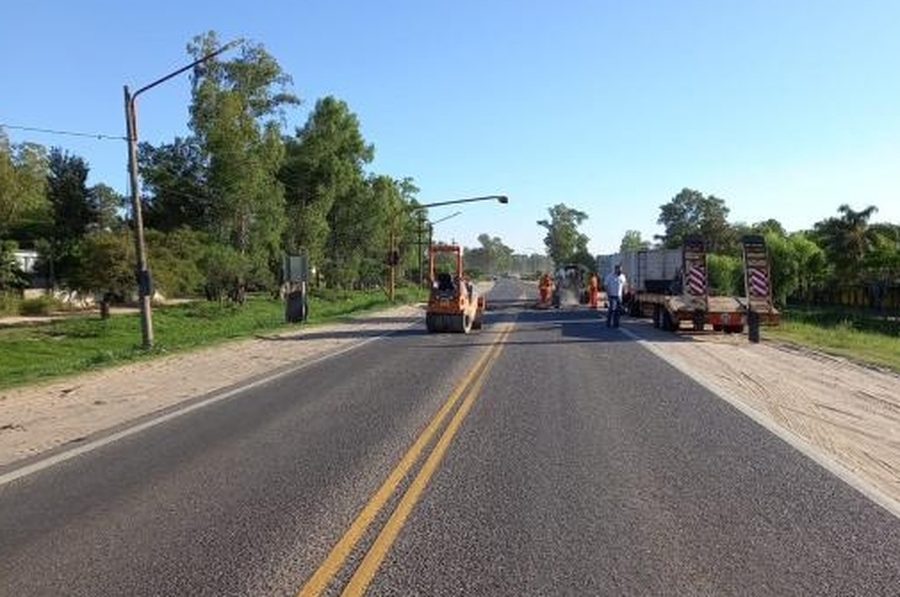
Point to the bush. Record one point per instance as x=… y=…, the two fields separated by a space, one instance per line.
x=10 y=303
x=174 y=258
x=225 y=270
x=42 y=305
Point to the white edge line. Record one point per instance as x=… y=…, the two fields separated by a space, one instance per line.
x=795 y=441
x=114 y=437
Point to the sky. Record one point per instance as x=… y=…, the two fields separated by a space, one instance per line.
x=784 y=109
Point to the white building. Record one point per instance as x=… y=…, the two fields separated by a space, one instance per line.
x=26 y=260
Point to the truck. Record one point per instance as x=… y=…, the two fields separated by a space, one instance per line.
x=671 y=287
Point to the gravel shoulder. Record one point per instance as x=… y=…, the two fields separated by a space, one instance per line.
x=844 y=414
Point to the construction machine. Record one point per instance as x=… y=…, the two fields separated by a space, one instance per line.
x=453 y=305
x=569 y=288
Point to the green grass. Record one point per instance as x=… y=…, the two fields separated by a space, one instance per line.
x=860 y=336
x=79 y=343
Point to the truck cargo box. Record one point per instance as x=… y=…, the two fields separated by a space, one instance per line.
x=656 y=270
x=648 y=270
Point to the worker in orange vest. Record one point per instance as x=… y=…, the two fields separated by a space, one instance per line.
x=545 y=287
x=594 y=290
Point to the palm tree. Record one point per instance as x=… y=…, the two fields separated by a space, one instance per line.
x=848 y=239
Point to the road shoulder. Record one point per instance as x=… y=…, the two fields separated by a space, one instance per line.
x=41 y=418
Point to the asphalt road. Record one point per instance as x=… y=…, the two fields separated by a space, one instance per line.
x=545 y=455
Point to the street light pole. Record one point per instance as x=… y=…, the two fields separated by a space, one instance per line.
x=419 y=229
x=410 y=209
x=145 y=285
x=430 y=232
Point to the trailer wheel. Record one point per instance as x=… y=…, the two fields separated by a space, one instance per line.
x=669 y=324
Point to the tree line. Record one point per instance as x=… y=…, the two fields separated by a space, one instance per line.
x=845 y=251
x=847 y=255
x=222 y=205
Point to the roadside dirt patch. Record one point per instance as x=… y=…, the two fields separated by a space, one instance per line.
x=37 y=418
x=844 y=411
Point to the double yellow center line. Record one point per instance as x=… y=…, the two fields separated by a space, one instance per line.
x=467 y=392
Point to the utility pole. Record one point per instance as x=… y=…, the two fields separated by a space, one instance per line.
x=392 y=255
x=142 y=272
x=392 y=276
x=144 y=281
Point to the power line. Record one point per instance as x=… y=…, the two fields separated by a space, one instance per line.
x=33 y=129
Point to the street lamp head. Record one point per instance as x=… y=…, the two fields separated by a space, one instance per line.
x=232 y=44
x=500 y=198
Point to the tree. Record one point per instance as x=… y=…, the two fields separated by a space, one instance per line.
x=105 y=266
x=725 y=275
x=784 y=267
x=412 y=224
x=586 y=259
x=632 y=242
x=235 y=115
x=175 y=181
x=223 y=267
x=797 y=266
x=812 y=265
x=492 y=256
x=72 y=209
x=359 y=234
x=563 y=240
x=23 y=181
x=847 y=240
x=690 y=212
x=770 y=226
x=11 y=276
x=882 y=260
x=176 y=258
x=392 y=215
x=323 y=169
x=106 y=204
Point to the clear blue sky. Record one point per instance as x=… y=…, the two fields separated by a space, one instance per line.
x=785 y=109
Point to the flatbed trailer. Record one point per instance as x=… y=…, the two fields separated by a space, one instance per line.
x=723 y=313
x=672 y=303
